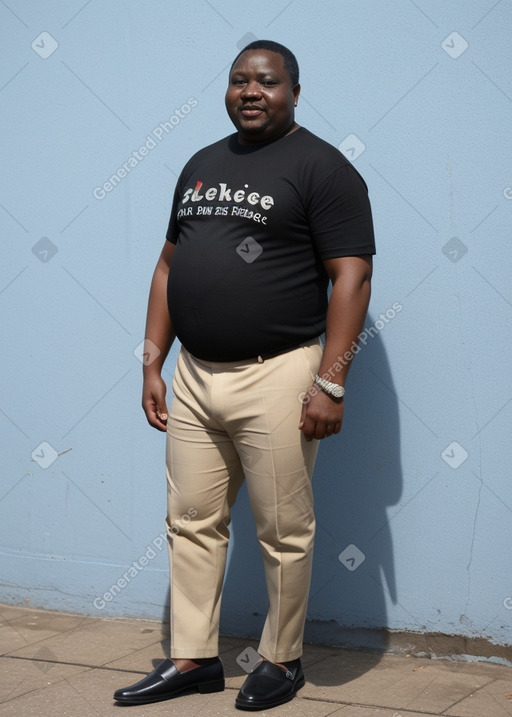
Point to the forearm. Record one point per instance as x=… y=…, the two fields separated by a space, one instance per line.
x=348 y=306
x=159 y=329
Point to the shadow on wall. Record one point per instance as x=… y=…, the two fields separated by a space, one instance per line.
x=357 y=476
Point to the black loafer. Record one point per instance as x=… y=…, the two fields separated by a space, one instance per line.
x=268 y=685
x=166 y=682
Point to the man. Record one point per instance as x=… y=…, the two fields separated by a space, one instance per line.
x=261 y=221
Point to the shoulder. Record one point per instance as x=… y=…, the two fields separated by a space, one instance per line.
x=323 y=150
x=209 y=153
x=316 y=156
x=320 y=161
x=221 y=145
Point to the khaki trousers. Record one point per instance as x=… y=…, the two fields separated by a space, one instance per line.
x=229 y=421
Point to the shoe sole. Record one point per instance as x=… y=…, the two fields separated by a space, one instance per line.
x=253 y=706
x=202 y=687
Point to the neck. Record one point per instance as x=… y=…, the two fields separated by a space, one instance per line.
x=291 y=128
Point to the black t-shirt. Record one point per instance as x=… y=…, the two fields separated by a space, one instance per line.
x=251 y=225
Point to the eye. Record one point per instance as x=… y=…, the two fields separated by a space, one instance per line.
x=237 y=81
x=269 y=83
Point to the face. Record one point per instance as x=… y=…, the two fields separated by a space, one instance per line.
x=260 y=99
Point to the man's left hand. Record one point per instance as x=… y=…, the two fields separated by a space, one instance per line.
x=321 y=416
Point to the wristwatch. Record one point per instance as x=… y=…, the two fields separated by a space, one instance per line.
x=333 y=389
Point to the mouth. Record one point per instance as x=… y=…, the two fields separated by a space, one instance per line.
x=251 y=111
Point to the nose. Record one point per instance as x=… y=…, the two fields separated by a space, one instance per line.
x=251 y=89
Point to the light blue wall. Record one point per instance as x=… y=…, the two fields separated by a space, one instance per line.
x=431 y=387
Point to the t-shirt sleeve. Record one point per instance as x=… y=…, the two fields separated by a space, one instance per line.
x=173 y=229
x=340 y=215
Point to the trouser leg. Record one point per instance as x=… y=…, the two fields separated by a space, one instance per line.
x=203 y=476
x=278 y=465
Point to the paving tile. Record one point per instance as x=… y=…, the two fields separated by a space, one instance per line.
x=91 y=694
x=8 y=612
x=19 y=677
x=316 y=653
x=227 y=643
x=97 y=641
x=351 y=662
x=10 y=638
x=29 y=627
x=356 y=711
x=489 y=701
x=401 y=684
x=141 y=661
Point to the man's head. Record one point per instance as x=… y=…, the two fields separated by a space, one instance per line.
x=263 y=91
x=290 y=61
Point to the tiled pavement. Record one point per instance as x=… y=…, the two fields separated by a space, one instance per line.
x=61 y=665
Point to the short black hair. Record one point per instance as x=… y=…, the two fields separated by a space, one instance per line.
x=290 y=61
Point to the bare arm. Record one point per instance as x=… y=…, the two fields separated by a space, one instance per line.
x=322 y=415
x=160 y=332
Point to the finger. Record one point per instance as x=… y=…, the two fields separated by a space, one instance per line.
x=332 y=429
x=154 y=421
x=161 y=413
x=308 y=428
x=160 y=418
x=320 y=430
x=156 y=415
x=303 y=415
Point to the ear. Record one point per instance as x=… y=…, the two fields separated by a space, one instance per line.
x=296 y=93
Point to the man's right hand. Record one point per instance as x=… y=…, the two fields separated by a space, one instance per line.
x=153 y=401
